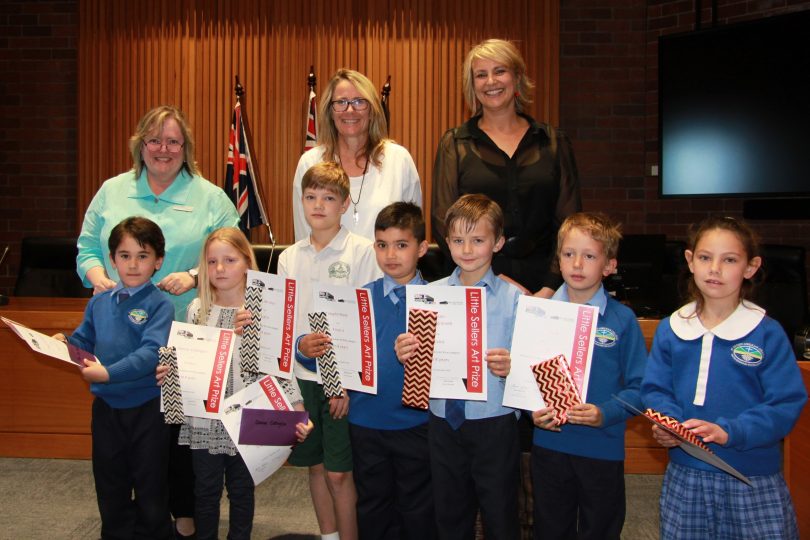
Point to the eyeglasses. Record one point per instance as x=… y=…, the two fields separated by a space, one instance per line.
x=342 y=105
x=172 y=145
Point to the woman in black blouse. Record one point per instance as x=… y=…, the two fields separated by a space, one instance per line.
x=525 y=166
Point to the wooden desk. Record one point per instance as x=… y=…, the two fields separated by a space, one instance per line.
x=797 y=461
x=45 y=403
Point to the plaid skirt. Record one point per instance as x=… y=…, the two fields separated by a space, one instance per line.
x=702 y=505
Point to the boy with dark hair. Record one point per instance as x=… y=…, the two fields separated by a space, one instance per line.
x=578 y=468
x=389 y=440
x=124 y=327
x=330 y=254
x=474 y=448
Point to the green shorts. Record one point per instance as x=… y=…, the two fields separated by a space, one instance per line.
x=328 y=443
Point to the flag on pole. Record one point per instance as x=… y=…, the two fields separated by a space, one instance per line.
x=239 y=177
x=386 y=91
x=312 y=136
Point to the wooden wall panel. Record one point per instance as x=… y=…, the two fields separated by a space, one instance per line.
x=138 y=54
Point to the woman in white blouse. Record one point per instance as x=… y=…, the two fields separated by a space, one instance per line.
x=352 y=131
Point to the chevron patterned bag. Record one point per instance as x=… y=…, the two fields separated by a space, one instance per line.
x=416 y=387
x=327 y=364
x=249 y=345
x=555 y=383
x=170 y=391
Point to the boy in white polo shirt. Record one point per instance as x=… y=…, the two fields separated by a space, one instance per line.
x=331 y=254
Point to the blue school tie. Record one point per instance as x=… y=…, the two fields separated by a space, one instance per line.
x=454 y=412
x=400 y=292
x=122 y=296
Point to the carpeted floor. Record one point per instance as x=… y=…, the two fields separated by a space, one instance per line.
x=51 y=498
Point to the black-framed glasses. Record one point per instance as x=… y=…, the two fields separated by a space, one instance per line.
x=172 y=145
x=342 y=105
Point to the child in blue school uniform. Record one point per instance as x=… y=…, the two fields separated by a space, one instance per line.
x=578 y=467
x=124 y=327
x=728 y=372
x=474 y=448
x=389 y=440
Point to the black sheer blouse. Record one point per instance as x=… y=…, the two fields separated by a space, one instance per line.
x=537 y=188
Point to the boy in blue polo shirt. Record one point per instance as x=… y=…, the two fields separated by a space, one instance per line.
x=124 y=327
x=389 y=440
x=578 y=467
x=474 y=449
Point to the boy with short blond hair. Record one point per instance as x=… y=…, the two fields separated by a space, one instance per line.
x=474 y=448
x=578 y=467
x=331 y=254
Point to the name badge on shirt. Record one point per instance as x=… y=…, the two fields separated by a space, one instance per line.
x=183 y=208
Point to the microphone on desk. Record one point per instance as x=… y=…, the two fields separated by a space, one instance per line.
x=3 y=297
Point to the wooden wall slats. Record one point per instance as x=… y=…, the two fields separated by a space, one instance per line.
x=138 y=54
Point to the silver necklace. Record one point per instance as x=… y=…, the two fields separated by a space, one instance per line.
x=355 y=215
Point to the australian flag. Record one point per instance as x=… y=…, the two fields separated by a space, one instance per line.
x=239 y=177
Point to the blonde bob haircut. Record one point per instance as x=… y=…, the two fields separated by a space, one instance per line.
x=468 y=210
x=598 y=226
x=205 y=291
x=377 y=126
x=151 y=123
x=504 y=53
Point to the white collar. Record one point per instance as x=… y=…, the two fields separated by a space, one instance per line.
x=686 y=324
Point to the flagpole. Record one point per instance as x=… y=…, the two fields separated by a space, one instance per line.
x=386 y=91
x=239 y=90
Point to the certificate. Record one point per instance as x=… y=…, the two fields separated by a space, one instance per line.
x=545 y=329
x=351 y=324
x=458 y=370
x=203 y=365
x=267 y=394
x=49 y=346
x=278 y=308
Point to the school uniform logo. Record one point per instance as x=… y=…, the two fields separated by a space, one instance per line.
x=605 y=337
x=138 y=316
x=339 y=270
x=747 y=354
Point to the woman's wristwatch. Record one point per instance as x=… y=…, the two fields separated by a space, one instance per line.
x=195 y=274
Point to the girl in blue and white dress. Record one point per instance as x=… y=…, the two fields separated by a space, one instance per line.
x=728 y=372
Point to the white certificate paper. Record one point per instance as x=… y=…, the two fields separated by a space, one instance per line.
x=279 y=306
x=458 y=370
x=544 y=329
x=351 y=321
x=49 y=346
x=203 y=364
x=266 y=393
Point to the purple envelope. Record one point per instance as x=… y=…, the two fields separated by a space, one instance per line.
x=268 y=427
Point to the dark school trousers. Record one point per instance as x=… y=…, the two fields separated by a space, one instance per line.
x=131 y=453
x=576 y=497
x=181 y=476
x=392 y=476
x=476 y=466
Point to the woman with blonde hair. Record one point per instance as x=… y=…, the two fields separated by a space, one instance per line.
x=352 y=131
x=527 y=167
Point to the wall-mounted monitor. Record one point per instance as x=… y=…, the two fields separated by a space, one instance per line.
x=734 y=109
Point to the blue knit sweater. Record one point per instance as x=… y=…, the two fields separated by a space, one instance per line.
x=126 y=338
x=619 y=356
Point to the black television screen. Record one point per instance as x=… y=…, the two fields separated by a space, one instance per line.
x=734 y=109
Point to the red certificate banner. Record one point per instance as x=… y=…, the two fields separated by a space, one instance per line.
x=366 y=337
x=581 y=350
x=288 y=327
x=216 y=386
x=475 y=353
x=273 y=393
